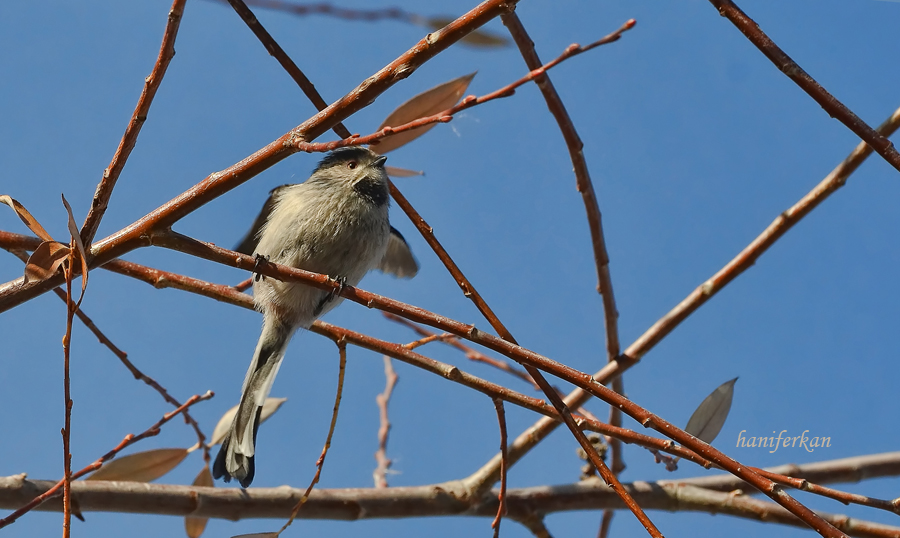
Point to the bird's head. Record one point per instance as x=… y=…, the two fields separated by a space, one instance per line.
x=358 y=168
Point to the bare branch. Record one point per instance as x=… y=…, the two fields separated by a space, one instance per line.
x=129 y=139
x=448 y=498
x=467 y=102
x=836 y=109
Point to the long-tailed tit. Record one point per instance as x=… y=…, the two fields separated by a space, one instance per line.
x=335 y=223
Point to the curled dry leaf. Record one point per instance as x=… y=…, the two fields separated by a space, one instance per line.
x=142 y=466
x=26 y=217
x=269 y=407
x=45 y=261
x=425 y=104
x=478 y=38
x=82 y=255
x=194 y=526
x=394 y=171
x=707 y=421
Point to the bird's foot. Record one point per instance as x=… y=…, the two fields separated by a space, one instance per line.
x=260 y=260
x=342 y=282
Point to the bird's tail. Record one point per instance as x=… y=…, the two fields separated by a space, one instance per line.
x=236 y=457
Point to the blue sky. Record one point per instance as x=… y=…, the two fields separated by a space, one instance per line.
x=695 y=142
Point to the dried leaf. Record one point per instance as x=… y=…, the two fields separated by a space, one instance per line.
x=427 y=103
x=393 y=171
x=26 y=217
x=707 y=421
x=269 y=407
x=44 y=262
x=194 y=526
x=142 y=466
x=76 y=236
x=478 y=38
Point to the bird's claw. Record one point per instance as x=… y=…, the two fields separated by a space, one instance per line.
x=342 y=282
x=260 y=260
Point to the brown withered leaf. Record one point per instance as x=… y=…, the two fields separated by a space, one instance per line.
x=82 y=255
x=707 y=421
x=194 y=526
x=142 y=466
x=26 y=217
x=478 y=38
x=44 y=262
x=427 y=103
x=394 y=171
x=269 y=407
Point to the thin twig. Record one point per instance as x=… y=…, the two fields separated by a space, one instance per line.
x=67 y=429
x=384 y=463
x=467 y=102
x=501 y=509
x=129 y=139
x=129 y=440
x=286 y=62
x=582 y=176
x=470 y=353
x=342 y=352
x=789 y=67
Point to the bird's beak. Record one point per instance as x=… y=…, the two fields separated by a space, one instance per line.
x=379 y=161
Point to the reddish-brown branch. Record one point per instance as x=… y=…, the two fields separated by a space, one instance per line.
x=468 y=102
x=470 y=353
x=842 y=496
x=501 y=498
x=582 y=176
x=286 y=62
x=129 y=139
x=789 y=67
x=137 y=234
x=493 y=390
x=384 y=463
x=129 y=440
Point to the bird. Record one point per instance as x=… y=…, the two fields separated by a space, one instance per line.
x=335 y=223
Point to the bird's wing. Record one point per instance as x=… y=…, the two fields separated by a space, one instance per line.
x=398 y=259
x=251 y=240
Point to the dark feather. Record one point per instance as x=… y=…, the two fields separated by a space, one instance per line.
x=398 y=258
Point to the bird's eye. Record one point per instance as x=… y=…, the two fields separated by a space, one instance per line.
x=351 y=165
